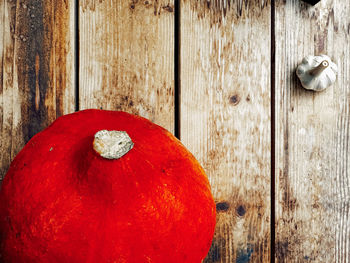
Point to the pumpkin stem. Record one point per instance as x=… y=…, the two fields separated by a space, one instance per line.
x=321 y=67
x=112 y=144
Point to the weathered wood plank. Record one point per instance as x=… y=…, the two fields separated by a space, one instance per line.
x=127 y=57
x=312 y=136
x=36 y=70
x=225 y=118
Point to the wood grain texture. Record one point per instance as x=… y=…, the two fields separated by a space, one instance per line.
x=36 y=70
x=127 y=57
x=312 y=136
x=225 y=118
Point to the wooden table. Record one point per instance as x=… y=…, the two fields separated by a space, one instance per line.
x=221 y=76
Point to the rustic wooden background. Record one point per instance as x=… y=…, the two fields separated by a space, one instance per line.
x=219 y=74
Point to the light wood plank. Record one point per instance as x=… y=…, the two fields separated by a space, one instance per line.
x=225 y=118
x=127 y=57
x=312 y=136
x=36 y=70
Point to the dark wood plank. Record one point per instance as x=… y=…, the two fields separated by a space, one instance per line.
x=225 y=118
x=127 y=57
x=36 y=70
x=312 y=136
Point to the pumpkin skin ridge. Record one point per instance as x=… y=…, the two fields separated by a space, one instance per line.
x=77 y=192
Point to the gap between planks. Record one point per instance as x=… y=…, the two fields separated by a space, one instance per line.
x=273 y=136
x=177 y=65
x=76 y=54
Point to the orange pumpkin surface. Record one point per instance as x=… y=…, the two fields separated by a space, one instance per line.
x=61 y=201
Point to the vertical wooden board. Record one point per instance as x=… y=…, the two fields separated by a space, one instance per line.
x=312 y=136
x=127 y=57
x=36 y=70
x=225 y=118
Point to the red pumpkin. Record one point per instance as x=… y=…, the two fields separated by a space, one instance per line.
x=61 y=201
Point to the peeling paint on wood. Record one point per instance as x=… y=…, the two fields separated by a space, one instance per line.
x=225 y=56
x=218 y=9
x=37 y=84
x=127 y=58
x=312 y=136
